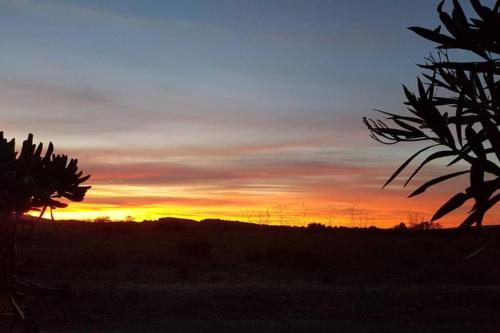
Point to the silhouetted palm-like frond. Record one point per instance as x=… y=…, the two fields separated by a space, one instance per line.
x=456 y=109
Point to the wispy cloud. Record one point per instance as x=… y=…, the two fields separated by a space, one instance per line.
x=106 y=14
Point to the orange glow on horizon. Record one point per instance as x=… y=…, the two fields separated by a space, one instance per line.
x=117 y=202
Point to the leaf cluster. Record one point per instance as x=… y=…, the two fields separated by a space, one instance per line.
x=456 y=108
x=31 y=179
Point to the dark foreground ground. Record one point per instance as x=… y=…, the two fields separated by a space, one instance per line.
x=182 y=277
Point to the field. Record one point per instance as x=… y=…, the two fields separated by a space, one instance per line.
x=222 y=277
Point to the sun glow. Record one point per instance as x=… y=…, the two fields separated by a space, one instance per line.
x=296 y=209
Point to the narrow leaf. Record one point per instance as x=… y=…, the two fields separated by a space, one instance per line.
x=434 y=181
x=452 y=204
x=405 y=164
x=431 y=157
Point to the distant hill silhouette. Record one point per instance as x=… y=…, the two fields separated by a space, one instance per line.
x=176 y=220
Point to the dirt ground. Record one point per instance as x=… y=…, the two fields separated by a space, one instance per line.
x=220 y=278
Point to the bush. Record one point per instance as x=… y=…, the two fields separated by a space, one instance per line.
x=401 y=226
x=316 y=227
x=456 y=109
x=102 y=219
x=30 y=181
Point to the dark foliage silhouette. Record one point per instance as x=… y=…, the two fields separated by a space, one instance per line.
x=416 y=222
x=102 y=219
x=456 y=109
x=316 y=227
x=29 y=181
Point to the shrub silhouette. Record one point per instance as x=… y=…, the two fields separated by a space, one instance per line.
x=461 y=120
x=29 y=181
x=316 y=227
x=102 y=219
x=129 y=219
x=400 y=226
x=416 y=222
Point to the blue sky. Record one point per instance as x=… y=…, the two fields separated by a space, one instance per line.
x=234 y=61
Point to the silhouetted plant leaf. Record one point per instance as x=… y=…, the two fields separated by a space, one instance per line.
x=395 y=116
x=476 y=216
x=434 y=181
x=421 y=90
x=477 y=67
x=460 y=155
x=405 y=164
x=433 y=35
x=456 y=201
x=492 y=132
x=484 y=12
x=415 y=131
x=458 y=125
x=475 y=142
x=434 y=156
x=458 y=15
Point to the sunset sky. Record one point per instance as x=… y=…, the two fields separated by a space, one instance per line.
x=246 y=110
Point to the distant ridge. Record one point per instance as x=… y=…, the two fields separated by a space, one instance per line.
x=176 y=220
x=216 y=223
